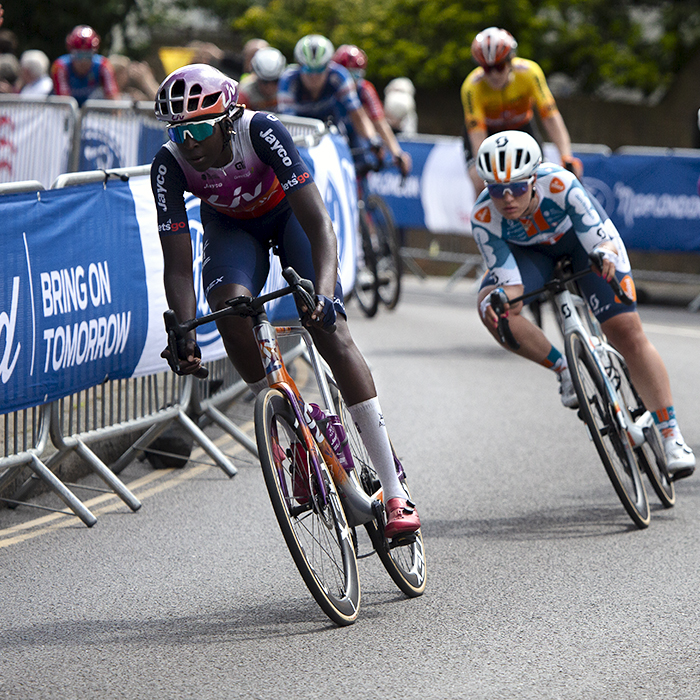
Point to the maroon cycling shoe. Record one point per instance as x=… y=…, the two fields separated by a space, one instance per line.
x=401 y=518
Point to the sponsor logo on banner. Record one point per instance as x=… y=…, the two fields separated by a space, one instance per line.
x=73 y=305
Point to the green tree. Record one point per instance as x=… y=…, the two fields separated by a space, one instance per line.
x=625 y=43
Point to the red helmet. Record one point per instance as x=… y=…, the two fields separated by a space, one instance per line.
x=493 y=46
x=83 y=38
x=352 y=57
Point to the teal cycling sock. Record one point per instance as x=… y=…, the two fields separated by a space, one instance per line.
x=555 y=360
x=666 y=422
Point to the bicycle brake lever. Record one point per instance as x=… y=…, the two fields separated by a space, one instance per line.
x=176 y=334
x=596 y=258
x=498 y=301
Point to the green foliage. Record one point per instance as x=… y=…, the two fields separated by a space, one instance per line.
x=626 y=43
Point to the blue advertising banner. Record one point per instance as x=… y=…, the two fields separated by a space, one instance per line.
x=81 y=295
x=73 y=302
x=651 y=199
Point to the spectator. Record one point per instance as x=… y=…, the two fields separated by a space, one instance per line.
x=9 y=73
x=250 y=48
x=134 y=79
x=82 y=72
x=34 y=74
x=400 y=106
x=228 y=62
x=258 y=90
x=355 y=60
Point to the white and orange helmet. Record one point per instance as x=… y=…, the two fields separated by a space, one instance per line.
x=508 y=156
x=493 y=46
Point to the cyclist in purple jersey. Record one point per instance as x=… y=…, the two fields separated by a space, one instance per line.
x=531 y=215
x=319 y=88
x=256 y=192
x=82 y=72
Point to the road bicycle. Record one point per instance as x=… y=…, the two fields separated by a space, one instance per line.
x=318 y=475
x=379 y=271
x=617 y=421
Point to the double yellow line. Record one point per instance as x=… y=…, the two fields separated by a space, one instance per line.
x=143 y=488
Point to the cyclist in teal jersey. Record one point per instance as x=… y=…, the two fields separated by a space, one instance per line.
x=532 y=214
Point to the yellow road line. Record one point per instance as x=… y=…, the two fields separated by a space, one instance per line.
x=66 y=518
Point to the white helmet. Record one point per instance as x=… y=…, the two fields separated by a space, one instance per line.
x=313 y=52
x=268 y=63
x=508 y=156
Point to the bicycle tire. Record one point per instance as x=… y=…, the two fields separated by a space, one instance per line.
x=388 y=252
x=612 y=443
x=405 y=563
x=650 y=454
x=317 y=535
x=366 y=287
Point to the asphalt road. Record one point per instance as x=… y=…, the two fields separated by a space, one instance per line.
x=539 y=586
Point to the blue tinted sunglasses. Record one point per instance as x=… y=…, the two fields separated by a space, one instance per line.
x=313 y=71
x=516 y=189
x=199 y=131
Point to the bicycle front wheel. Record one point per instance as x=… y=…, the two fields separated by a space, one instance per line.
x=313 y=524
x=611 y=441
x=366 y=288
x=403 y=561
x=389 y=266
x=650 y=454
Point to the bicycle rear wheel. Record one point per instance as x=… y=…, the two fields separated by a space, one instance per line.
x=315 y=529
x=389 y=266
x=404 y=560
x=611 y=441
x=366 y=288
x=650 y=454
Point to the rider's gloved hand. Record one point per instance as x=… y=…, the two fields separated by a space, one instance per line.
x=403 y=162
x=323 y=315
x=189 y=357
x=573 y=164
x=376 y=144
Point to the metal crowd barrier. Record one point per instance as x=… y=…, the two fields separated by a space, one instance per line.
x=41 y=438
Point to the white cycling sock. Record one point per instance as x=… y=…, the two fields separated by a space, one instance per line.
x=369 y=420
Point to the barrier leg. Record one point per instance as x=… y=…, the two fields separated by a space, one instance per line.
x=64 y=493
x=138 y=448
x=230 y=427
x=207 y=445
x=108 y=476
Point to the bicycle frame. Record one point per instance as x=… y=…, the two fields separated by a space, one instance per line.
x=357 y=504
x=568 y=308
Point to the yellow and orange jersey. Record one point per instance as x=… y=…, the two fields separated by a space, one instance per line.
x=511 y=107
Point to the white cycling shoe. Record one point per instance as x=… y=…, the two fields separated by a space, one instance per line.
x=680 y=460
x=566 y=389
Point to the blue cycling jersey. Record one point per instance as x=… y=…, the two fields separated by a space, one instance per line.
x=337 y=98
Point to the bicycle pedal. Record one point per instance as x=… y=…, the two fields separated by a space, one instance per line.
x=682 y=474
x=402 y=540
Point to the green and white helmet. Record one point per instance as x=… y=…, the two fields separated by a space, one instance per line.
x=313 y=52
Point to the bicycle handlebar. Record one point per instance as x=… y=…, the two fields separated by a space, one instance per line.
x=243 y=306
x=499 y=300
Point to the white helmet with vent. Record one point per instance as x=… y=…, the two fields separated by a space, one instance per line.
x=508 y=156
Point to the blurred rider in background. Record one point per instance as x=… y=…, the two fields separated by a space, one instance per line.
x=82 y=73
x=502 y=93
x=355 y=60
x=319 y=88
x=258 y=90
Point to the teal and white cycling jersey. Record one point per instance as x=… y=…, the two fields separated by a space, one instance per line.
x=564 y=205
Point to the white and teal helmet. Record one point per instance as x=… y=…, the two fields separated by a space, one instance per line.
x=313 y=52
